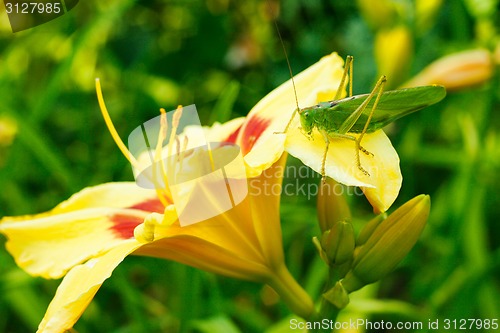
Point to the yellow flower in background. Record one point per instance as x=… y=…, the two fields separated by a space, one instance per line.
x=457 y=71
x=378 y=13
x=425 y=14
x=393 y=50
x=8 y=130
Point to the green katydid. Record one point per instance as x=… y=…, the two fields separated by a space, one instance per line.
x=361 y=114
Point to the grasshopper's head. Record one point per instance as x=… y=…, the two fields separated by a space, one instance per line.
x=306 y=120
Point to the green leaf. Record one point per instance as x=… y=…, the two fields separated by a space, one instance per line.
x=224 y=106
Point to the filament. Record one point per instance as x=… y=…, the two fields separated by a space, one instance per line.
x=107 y=119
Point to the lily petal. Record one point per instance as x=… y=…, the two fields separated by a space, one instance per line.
x=381 y=187
x=265 y=192
x=88 y=224
x=79 y=287
x=111 y=195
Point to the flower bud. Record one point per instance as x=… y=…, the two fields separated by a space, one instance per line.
x=389 y=243
x=393 y=51
x=369 y=228
x=332 y=206
x=457 y=71
x=425 y=14
x=338 y=243
x=8 y=130
x=378 y=13
x=336 y=246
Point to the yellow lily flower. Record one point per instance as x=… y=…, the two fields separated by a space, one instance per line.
x=319 y=83
x=87 y=236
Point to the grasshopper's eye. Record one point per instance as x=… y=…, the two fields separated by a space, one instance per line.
x=306 y=114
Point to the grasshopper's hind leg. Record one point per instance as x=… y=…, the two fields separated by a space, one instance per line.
x=358 y=148
x=326 y=137
x=358 y=160
x=379 y=87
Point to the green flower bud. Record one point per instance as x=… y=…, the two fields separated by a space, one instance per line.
x=332 y=207
x=369 y=228
x=388 y=244
x=338 y=243
x=321 y=252
x=336 y=247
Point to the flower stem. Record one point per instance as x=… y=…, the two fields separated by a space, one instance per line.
x=327 y=310
x=295 y=297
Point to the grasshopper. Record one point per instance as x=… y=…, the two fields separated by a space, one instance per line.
x=361 y=114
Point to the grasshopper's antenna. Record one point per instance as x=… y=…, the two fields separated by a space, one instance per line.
x=289 y=69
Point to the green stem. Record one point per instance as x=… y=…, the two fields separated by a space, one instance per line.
x=327 y=310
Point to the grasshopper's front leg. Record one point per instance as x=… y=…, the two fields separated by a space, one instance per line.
x=289 y=122
x=323 y=162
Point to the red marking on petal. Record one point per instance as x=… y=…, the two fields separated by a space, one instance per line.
x=124 y=225
x=253 y=130
x=153 y=205
x=232 y=137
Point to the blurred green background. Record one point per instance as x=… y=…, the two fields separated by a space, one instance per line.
x=225 y=56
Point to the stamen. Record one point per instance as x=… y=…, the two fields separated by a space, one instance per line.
x=175 y=124
x=162 y=134
x=162 y=191
x=211 y=157
x=112 y=130
x=177 y=147
x=177 y=116
x=183 y=153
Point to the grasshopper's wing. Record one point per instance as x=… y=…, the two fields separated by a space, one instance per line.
x=392 y=105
